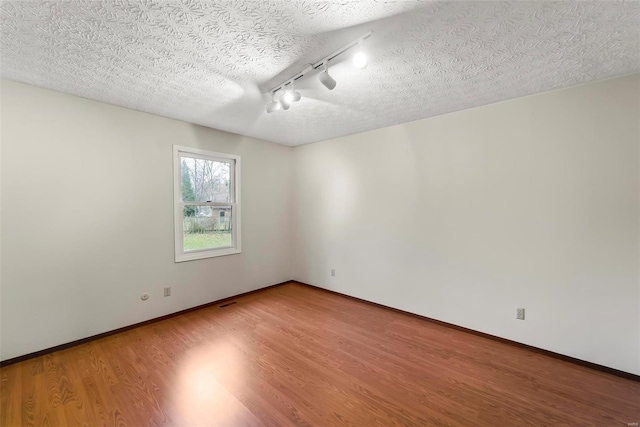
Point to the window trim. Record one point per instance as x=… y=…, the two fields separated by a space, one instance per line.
x=178 y=204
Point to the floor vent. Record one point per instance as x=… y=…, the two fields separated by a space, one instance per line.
x=227 y=304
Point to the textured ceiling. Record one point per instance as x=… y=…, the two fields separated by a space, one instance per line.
x=210 y=63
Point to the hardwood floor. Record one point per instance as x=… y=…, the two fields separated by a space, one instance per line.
x=294 y=355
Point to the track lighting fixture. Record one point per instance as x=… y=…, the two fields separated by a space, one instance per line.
x=328 y=81
x=286 y=91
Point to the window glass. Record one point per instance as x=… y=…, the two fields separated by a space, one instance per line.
x=207 y=227
x=205 y=180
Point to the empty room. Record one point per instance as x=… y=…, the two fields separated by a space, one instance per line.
x=319 y=213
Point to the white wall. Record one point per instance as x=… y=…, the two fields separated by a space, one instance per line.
x=532 y=202
x=87 y=212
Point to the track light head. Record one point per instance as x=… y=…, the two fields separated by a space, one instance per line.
x=273 y=105
x=288 y=97
x=284 y=101
x=292 y=95
x=360 y=58
x=285 y=97
x=295 y=95
x=328 y=81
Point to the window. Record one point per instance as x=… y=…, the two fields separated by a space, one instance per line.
x=206 y=196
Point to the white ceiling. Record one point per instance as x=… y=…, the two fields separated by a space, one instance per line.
x=210 y=63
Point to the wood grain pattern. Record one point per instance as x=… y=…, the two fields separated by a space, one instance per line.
x=294 y=355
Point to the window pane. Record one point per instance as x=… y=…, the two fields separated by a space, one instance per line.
x=207 y=227
x=205 y=180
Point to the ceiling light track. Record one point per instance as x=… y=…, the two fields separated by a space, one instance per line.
x=287 y=93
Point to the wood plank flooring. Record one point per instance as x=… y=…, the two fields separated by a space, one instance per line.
x=295 y=355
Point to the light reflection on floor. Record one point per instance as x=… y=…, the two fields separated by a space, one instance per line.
x=199 y=398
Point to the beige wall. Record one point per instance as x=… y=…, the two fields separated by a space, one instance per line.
x=87 y=214
x=463 y=217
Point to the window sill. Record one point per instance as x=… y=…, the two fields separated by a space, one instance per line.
x=192 y=256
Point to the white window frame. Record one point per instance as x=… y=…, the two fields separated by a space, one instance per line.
x=180 y=254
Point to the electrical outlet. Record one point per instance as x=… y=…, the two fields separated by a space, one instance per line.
x=520 y=313
x=167 y=291
x=333 y=272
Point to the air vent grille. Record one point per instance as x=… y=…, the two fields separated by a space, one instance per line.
x=228 y=304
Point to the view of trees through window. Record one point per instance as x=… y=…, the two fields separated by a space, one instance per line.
x=208 y=226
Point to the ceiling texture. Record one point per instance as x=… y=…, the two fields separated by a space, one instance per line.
x=212 y=62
